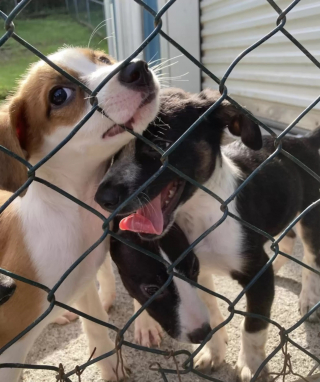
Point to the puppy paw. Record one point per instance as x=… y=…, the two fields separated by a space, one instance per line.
x=147 y=332
x=213 y=353
x=66 y=318
x=248 y=364
x=110 y=372
x=310 y=295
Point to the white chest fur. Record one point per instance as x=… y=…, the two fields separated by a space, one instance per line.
x=57 y=233
x=218 y=251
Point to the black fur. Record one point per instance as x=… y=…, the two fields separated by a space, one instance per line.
x=139 y=272
x=270 y=201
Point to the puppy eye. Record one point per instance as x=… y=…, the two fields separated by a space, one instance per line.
x=59 y=96
x=104 y=59
x=150 y=290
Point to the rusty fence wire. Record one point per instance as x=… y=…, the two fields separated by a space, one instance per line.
x=187 y=366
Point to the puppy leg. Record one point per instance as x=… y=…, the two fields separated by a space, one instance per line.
x=254 y=330
x=97 y=335
x=310 y=294
x=17 y=353
x=107 y=290
x=286 y=245
x=213 y=353
x=147 y=332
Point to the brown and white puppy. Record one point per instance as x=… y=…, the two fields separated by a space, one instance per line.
x=43 y=233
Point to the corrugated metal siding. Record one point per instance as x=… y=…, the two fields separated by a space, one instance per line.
x=276 y=80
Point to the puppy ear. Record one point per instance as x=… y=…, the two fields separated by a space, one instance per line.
x=18 y=119
x=237 y=122
x=12 y=172
x=249 y=131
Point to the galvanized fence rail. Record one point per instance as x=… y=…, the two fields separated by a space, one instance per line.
x=187 y=367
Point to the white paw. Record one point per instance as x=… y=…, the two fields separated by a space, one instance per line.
x=147 y=332
x=213 y=353
x=109 y=370
x=110 y=367
x=66 y=318
x=248 y=363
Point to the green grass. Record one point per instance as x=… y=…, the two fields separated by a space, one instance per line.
x=47 y=35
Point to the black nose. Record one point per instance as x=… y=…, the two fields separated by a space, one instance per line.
x=136 y=75
x=198 y=335
x=108 y=197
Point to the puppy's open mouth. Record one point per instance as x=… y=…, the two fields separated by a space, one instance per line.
x=117 y=129
x=154 y=217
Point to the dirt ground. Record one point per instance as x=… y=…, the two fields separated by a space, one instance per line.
x=67 y=344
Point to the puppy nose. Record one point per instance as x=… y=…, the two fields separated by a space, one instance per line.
x=108 y=199
x=198 y=335
x=136 y=74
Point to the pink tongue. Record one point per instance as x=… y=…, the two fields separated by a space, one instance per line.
x=148 y=219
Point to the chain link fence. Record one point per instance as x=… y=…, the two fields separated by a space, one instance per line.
x=187 y=367
x=90 y=13
x=36 y=9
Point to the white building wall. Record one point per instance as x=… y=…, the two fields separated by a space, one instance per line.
x=181 y=22
x=275 y=81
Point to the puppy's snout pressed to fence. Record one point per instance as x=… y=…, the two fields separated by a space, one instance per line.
x=108 y=197
x=136 y=74
x=198 y=335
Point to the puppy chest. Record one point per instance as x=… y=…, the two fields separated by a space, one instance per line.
x=58 y=237
x=221 y=248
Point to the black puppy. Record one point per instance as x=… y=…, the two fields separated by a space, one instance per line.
x=270 y=201
x=178 y=308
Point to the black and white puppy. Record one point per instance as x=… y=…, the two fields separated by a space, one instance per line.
x=178 y=308
x=270 y=201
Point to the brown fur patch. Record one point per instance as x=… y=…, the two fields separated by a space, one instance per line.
x=12 y=173
x=24 y=306
x=31 y=113
x=97 y=56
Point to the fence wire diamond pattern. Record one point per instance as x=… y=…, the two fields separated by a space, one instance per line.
x=187 y=366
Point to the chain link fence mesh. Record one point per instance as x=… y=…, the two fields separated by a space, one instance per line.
x=90 y=13
x=187 y=366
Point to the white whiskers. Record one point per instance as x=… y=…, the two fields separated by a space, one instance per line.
x=99 y=26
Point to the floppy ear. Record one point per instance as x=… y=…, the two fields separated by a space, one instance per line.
x=18 y=119
x=249 y=131
x=238 y=123
x=12 y=172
